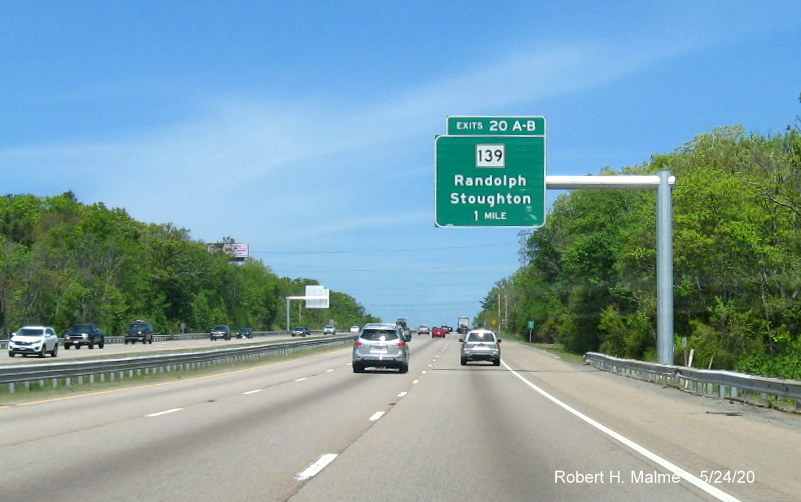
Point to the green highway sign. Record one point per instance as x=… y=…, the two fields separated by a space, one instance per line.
x=489 y=180
x=495 y=126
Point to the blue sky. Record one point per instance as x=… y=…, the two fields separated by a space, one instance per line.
x=306 y=128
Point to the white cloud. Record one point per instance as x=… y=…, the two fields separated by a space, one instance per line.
x=189 y=173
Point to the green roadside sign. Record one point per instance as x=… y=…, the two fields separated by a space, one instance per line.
x=489 y=180
x=495 y=126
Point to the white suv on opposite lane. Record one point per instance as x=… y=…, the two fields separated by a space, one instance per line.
x=36 y=340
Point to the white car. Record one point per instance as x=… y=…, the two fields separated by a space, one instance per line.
x=330 y=330
x=354 y=330
x=38 y=340
x=423 y=330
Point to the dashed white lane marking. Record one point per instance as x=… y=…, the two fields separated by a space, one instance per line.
x=377 y=415
x=165 y=412
x=251 y=392
x=415 y=382
x=301 y=379
x=402 y=394
x=329 y=370
x=316 y=467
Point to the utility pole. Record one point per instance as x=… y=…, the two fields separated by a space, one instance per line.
x=500 y=324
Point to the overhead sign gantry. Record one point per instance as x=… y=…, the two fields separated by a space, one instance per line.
x=316 y=297
x=490 y=172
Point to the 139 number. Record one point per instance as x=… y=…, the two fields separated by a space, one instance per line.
x=490 y=156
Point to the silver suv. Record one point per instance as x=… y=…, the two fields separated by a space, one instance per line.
x=481 y=345
x=381 y=346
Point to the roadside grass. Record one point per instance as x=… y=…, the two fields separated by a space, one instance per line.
x=558 y=350
x=35 y=391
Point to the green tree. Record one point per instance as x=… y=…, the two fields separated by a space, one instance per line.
x=589 y=280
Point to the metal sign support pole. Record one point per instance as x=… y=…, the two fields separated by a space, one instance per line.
x=324 y=298
x=664 y=270
x=287 y=313
x=664 y=240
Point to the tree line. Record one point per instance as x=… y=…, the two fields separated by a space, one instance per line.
x=64 y=262
x=589 y=275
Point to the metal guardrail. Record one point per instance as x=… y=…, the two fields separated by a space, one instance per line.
x=724 y=384
x=55 y=374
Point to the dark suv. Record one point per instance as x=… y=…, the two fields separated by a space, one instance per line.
x=84 y=334
x=220 y=331
x=301 y=331
x=139 y=331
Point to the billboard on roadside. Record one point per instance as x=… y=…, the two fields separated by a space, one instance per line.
x=239 y=251
x=317 y=297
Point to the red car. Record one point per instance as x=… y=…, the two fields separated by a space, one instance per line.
x=439 y=332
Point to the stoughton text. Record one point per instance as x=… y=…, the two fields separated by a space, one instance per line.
x=491 y=200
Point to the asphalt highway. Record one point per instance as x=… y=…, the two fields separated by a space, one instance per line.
x=309 y=429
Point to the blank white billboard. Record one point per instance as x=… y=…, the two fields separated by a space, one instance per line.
x=317 y=297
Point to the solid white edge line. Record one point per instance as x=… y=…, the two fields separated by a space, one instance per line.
x=715 y=492
x=315 y=468
x=377 y=415
x=159 y=413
